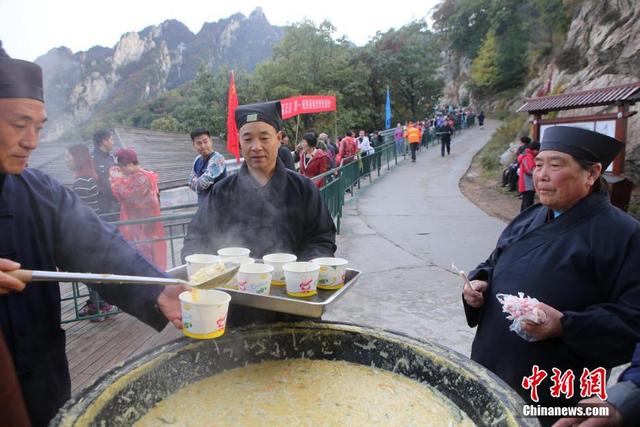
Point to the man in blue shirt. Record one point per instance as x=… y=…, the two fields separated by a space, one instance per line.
x=208 y=168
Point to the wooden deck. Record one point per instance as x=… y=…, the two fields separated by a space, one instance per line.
x=95 y=348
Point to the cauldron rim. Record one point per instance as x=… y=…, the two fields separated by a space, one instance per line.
x=454 y=360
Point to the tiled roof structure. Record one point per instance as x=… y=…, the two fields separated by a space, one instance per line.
x=588 y=98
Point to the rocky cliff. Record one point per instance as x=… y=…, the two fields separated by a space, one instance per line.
x=142 y=65
x=602 y=48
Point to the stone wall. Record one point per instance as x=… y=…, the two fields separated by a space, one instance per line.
x=602 y=48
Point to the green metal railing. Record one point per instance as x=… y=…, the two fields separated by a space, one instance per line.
x=338 y=182
x=175 y=227
x=348 y=175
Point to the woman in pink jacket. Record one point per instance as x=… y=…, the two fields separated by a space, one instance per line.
x=137 y=191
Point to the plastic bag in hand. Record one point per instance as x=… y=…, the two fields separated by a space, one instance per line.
x=520 y=308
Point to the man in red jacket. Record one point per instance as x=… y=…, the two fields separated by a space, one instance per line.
x=313 y=161
x=527 y=163
x=348 y=149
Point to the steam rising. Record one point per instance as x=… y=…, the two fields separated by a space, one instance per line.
x=282 y=216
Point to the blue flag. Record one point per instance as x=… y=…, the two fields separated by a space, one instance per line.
x=387 y=110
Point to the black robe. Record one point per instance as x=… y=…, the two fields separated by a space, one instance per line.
x=586 y=264
x=285 y=215
x=45 y=226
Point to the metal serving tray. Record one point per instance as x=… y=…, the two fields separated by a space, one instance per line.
x=278 y=300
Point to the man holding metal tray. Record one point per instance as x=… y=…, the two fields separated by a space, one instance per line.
x=264 y=207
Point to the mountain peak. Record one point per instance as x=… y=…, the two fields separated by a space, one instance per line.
x=258 y=13
x=146 y=63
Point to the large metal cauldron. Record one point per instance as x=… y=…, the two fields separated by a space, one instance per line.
x=124 y=394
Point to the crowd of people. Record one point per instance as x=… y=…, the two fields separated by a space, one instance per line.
x=117 y=188
x=575 y=252
x=412 y=136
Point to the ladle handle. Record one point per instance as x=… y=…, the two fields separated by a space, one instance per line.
x=28 y=276
x=25 y=276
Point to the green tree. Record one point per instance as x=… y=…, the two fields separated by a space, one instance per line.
x=552 y=22
x=199 y=103
x=407 y=60
x=464 y=23
x=508 y=20
x=484 y=69
x=308 y=61
x=166 y=124
x=501 y=61
x=505 y=39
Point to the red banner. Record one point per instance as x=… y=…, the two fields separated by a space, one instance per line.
x=233 y=145
x=307 y=104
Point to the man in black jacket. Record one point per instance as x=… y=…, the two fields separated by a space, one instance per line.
x=103 y=161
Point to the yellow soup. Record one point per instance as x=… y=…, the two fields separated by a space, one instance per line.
x=306 y=392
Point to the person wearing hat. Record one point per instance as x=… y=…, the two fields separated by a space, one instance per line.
x=264 y=207
x=137 y=192
x=208 y=168
x=45 y=226
x=574 y=252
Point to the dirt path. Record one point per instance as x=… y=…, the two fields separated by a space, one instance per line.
x=485 y=194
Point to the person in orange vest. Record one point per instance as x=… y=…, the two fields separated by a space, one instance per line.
x=413 y=135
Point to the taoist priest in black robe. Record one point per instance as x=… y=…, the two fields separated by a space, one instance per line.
x=45 y=226
x=264 y=207
x=579 y=256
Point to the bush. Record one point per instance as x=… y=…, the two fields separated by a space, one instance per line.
x=512 y=127
x=167 y=124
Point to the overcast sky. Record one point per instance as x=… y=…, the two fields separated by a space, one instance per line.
x=29 y=28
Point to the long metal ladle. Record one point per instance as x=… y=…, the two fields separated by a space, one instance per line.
x=29 y=276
